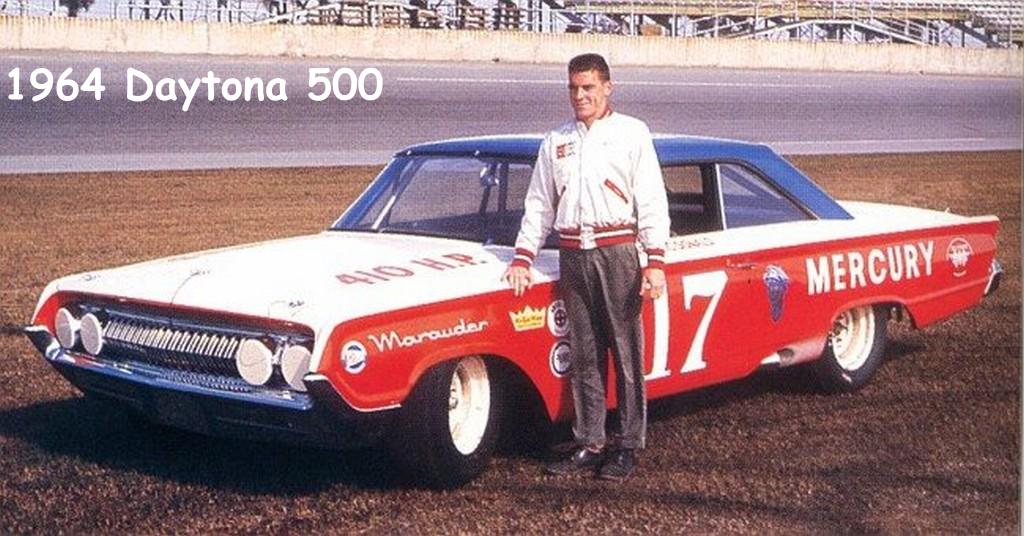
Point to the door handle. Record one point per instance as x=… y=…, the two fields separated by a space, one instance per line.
x=741 y=265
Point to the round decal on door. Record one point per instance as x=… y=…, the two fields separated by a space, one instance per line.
x=561 y=358
x=558 y=319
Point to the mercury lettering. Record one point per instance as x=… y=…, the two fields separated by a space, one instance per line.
x=853 y=269
x=388 y=341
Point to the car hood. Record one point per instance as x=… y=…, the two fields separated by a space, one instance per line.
x=317 y=280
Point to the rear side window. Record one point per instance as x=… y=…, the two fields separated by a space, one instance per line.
x=692 y=200
x=750 y=200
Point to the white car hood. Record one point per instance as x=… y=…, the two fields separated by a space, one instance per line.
x=297 y=279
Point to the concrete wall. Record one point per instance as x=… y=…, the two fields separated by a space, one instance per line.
x=59 y=33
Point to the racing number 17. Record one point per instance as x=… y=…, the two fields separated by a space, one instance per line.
x=706 y=285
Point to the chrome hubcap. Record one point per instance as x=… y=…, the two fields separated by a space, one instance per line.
x=469 y=404
x=852 y=334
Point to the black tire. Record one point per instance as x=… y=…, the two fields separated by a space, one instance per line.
x=423 y=443
x=854 y=349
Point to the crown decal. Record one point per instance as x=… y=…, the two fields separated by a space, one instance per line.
x=527 y=319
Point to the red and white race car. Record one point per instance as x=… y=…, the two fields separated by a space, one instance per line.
x=394 y=324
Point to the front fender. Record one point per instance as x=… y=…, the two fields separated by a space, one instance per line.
x=375 y=361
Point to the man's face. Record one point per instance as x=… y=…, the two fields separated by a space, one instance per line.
x=589 y=95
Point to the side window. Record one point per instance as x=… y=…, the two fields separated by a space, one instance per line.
x=518 y=181
x=505 y=226
x=692 y=199
x=749 y=200
x=519 y=175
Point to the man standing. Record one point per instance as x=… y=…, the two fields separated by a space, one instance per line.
x=597 y=183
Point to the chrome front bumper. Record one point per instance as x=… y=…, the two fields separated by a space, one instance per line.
x=318 y=417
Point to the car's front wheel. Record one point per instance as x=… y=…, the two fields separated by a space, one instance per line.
x=448 y=426
x=854 y=350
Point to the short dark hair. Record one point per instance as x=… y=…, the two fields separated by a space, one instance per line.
x=590 y=62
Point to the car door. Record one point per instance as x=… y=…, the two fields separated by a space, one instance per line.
x=726 y=294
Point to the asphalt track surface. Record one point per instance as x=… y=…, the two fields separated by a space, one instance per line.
x=797 y=112
x=931 y=445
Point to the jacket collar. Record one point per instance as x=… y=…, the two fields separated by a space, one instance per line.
x=582 y=127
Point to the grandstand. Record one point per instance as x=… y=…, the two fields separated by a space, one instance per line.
x=960 y=23
x=924 y=22
x=986 y=23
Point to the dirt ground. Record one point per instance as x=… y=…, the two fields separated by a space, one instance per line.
x=931 y=445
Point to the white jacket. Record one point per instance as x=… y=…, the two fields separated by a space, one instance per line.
x=596 y=187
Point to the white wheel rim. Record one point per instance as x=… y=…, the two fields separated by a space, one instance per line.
x=469 y=404
x=852 y=334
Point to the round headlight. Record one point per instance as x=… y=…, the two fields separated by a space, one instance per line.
x=67 y=328
x=91 y=332
x=254 y=361
x=295 y=365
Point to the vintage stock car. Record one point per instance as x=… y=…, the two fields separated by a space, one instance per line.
x=394 y=325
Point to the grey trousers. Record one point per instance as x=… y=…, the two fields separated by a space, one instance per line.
x=601 y=289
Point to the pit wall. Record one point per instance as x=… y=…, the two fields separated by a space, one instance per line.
x=108 y=35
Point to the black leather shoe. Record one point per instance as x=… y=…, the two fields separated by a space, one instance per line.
x=618 y=466
x=582 y=459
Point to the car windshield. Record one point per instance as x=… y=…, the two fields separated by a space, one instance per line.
x=465 y=197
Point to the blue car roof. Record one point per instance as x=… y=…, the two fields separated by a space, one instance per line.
x=672 y=150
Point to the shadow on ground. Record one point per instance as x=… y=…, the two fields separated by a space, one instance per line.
x=99 y=433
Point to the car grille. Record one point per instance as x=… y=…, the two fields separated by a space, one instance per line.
x=185 y=351
x=155 y=343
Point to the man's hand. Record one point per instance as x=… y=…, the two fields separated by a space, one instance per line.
x=520 y=279
x=654 y=283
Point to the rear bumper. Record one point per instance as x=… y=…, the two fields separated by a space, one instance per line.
x=995 y=275
x=319 y=417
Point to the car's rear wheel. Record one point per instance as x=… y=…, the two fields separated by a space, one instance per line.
x=854 y=349
x=448 y=426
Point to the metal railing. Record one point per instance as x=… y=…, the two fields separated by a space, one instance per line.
x=936 y=22
x=29 y=7
x=232 y=11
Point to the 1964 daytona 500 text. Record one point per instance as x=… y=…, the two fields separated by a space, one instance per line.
x=394 y=324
